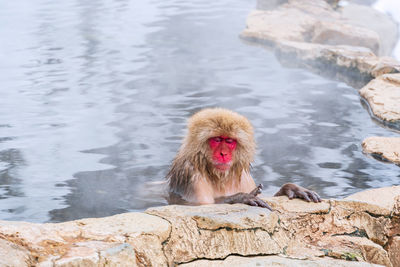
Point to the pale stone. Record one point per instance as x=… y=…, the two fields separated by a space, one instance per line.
x=281 y=24
x=356 y=248
x=224 y=232
x=118 y=227
x=348 y=228
x=383 y=97
x=383 y=25
x=383 y=148
x=393 y=249
x=334 y=33
x=362 y=219
x=143 y=231
x=97 y=253
x=276 y=261
x=319 y=9
x=171 y=235
x=41 y=239
x=307 y=21
x=385 y=65
x=297 y=249
x=305 y=52
x=122 y=255
x=361 y=206
x=392 y=78
x=298 y=229
x=284 y=204
x=356 y=63
x=79 y=256
x=12 y=254
x=82 y=240
x=311 y=34
x=385 y=197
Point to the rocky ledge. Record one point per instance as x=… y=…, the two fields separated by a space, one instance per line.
x=314 y=35
x=358 y=231
x=386 y=149
x=383 y=97
x=342 y=43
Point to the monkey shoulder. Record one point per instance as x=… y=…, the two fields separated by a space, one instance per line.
x=180 y=176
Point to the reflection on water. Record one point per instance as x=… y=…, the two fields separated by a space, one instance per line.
x=95 y=94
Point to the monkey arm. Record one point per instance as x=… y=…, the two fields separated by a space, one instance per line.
x=245 y=198
x=295 y=191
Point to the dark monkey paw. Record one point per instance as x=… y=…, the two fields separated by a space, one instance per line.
x=295 y=191
x=248 y=198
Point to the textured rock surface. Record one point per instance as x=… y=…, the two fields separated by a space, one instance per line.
x=383 y=148
x=357 y=65
x=334 y=33
x=215 y=231
x=12 y=254
x=384 y=26
x=132 y=238
x=297 y=232
x=276 y=261
x=394 y=250
x=386 y=198
x=322 y=39
x=383 y=97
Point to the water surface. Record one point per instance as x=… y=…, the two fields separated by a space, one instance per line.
x=94 y=96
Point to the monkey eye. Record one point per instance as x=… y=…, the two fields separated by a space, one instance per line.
x=217 y=139
x=229 y=140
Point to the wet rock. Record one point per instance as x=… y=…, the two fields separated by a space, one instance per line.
x=96 y=253
x=389 y=199
x=276 y=25
x=355 y=65
x=276 y=261
x=383 y=148
x=383 y=97
x=340 y=229
x=307 y=21
x=386 y=199
x=284 y=204
x=333 y=232
x=353 y=248
x=312 y=34
x=135 y=237
x=216 y=231
x=334 y=33
x=393 y=248
x=361 y=16
x=12 y=254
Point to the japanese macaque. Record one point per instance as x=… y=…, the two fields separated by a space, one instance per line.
x=213 y=163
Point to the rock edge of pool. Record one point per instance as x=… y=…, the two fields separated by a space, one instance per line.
x=360 y=230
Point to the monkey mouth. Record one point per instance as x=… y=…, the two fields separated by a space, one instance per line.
x=222 y=166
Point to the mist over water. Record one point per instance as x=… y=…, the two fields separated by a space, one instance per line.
x=94 y=97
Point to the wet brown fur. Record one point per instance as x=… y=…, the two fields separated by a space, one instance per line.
x=193 y=160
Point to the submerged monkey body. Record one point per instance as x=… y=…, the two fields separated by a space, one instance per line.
x=213 y=162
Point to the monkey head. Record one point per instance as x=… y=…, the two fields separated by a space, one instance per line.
x=223 y=137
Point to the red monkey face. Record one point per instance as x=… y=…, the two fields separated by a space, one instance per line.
x=222 y=148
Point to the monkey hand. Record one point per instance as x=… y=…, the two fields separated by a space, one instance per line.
x=246 y=198
x=295 y=191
